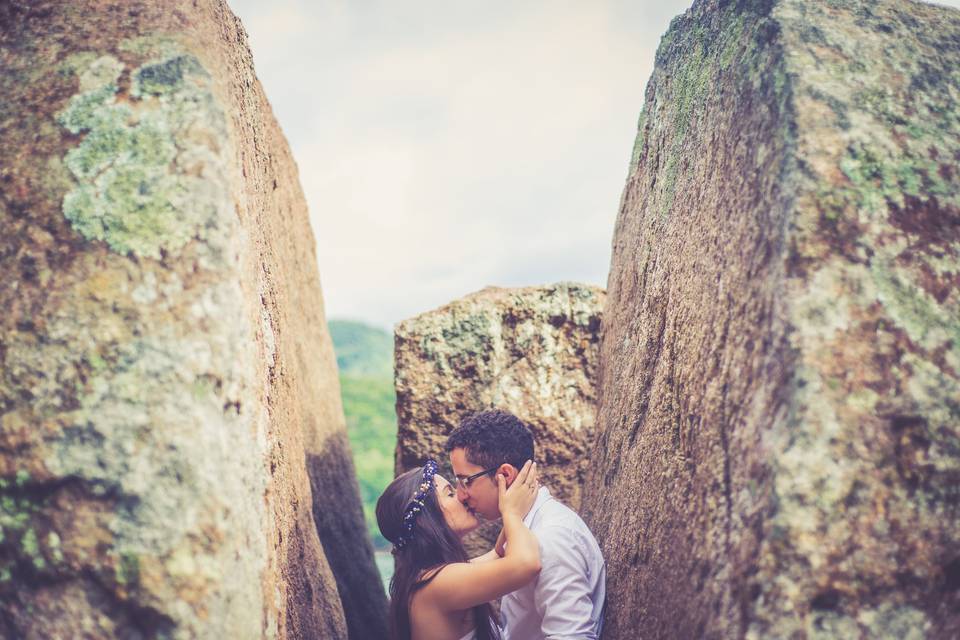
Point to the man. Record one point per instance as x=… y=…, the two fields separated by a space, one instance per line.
x=566 y=600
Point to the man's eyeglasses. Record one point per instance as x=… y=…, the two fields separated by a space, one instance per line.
x=464 y=483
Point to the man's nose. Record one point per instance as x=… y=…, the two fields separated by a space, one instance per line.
x=462 y=494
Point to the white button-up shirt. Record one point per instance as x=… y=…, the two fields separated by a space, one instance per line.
x=566 y=600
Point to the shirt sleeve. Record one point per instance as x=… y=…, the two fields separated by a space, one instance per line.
x=563 y=596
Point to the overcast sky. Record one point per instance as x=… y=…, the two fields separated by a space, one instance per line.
x=447 y=146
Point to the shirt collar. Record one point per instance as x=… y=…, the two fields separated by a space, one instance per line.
x=543 y=495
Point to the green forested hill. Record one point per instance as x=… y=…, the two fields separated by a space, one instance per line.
x=365 y=358
x=362 y=350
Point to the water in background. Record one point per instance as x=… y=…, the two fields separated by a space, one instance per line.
x=384 y=560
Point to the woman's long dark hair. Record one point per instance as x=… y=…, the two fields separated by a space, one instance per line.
x=434 y=545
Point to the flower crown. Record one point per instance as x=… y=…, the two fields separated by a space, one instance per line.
x=415 y=506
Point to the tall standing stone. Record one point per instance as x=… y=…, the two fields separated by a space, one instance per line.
x=778 y=450
x=533 y=352
x=165 y=370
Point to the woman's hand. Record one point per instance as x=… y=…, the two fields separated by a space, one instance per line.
x=521 y=495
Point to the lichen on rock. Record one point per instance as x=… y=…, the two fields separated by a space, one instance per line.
x=151 y=161
x=154 y=474
x=781 y=352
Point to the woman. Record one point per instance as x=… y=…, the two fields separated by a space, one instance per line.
x=437 y=593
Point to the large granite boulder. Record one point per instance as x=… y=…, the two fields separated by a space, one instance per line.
x=778 y=449
x=165 y=371
x=533 y=352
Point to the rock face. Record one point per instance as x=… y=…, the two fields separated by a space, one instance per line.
x=165 y=373
x=533 y=352
x=778 y=449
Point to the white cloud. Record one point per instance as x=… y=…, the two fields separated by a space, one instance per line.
x=445 y=148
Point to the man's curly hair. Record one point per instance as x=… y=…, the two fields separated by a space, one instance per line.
x=492 y=438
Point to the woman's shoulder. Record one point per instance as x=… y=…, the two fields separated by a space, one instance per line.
x=427 y=575
x=426 y=605
x=435 y=584
x=426 y=583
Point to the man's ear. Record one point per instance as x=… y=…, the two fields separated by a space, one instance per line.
x=509 y=472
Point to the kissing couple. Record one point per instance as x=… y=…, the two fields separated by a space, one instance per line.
x=546 y=565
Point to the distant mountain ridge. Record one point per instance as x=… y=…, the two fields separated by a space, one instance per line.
x=362 y=350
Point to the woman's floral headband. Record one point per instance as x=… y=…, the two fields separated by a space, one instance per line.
x=415 y=506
